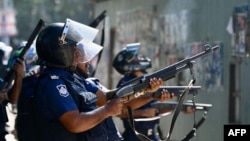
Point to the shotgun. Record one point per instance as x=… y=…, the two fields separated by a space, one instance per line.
x=138 y=85
x=11 y=73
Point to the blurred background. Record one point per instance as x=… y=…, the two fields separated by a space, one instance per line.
x=169 y=30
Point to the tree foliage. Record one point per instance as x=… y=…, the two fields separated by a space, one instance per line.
x=28 y=13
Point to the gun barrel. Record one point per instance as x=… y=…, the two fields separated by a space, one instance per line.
x=176 y=90
x=172 y=104
x=179 y=89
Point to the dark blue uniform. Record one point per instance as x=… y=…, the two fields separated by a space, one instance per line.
x=59 y=92
x=51 y=100
x=3 y=118
x=3 y=121
x=143 y=127
x=24 y=120
x=92 y=85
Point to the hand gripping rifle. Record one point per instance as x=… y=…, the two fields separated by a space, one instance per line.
x=137 y=85
x=11 y=74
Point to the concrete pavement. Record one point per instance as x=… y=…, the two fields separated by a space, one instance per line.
x=11 y=124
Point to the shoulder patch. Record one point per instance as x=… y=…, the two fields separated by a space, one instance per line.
x=62 y=89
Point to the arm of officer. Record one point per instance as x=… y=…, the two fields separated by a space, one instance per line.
x=76 y=121
x=104 y=94
x=138 y=102
x=13 y=94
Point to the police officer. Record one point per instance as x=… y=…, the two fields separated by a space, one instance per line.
x=128 y=63
x=7 y=97
x=59 y=98
x=23 y=121
x=93 y=85
x=82 y=73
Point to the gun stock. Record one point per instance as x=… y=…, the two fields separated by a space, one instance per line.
x=176 y=90
x=11 y=74
x=140 y=83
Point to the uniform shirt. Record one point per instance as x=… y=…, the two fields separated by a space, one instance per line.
x=24 y=120
x=3 y=113
x=113 y=132
x=51 y=100
x=3 y=117
x=28 y=85
x=93 y=86
x=53 y=97
x=87 y=102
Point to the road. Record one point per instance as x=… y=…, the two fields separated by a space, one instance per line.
x=11 y=123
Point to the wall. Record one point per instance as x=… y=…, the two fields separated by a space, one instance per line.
x=204 y=21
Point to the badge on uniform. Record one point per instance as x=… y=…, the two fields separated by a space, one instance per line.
x=62 y=90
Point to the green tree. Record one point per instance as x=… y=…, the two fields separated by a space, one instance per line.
x=28 y=13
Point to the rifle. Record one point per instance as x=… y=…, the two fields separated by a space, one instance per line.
x=176 y=90
x=11 y=74
x=161 y=106
x=95 y=23
x=98 y=19
x=139 y=84
x=165 y=108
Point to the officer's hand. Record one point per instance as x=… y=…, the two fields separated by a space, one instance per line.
x=18 y=67
x=189 y=110
x=114 y=106
x=165 y=95
x=155 y=84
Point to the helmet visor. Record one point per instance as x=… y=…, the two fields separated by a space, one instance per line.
x=76 y=31
x=132 y=51
x=88 y=50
